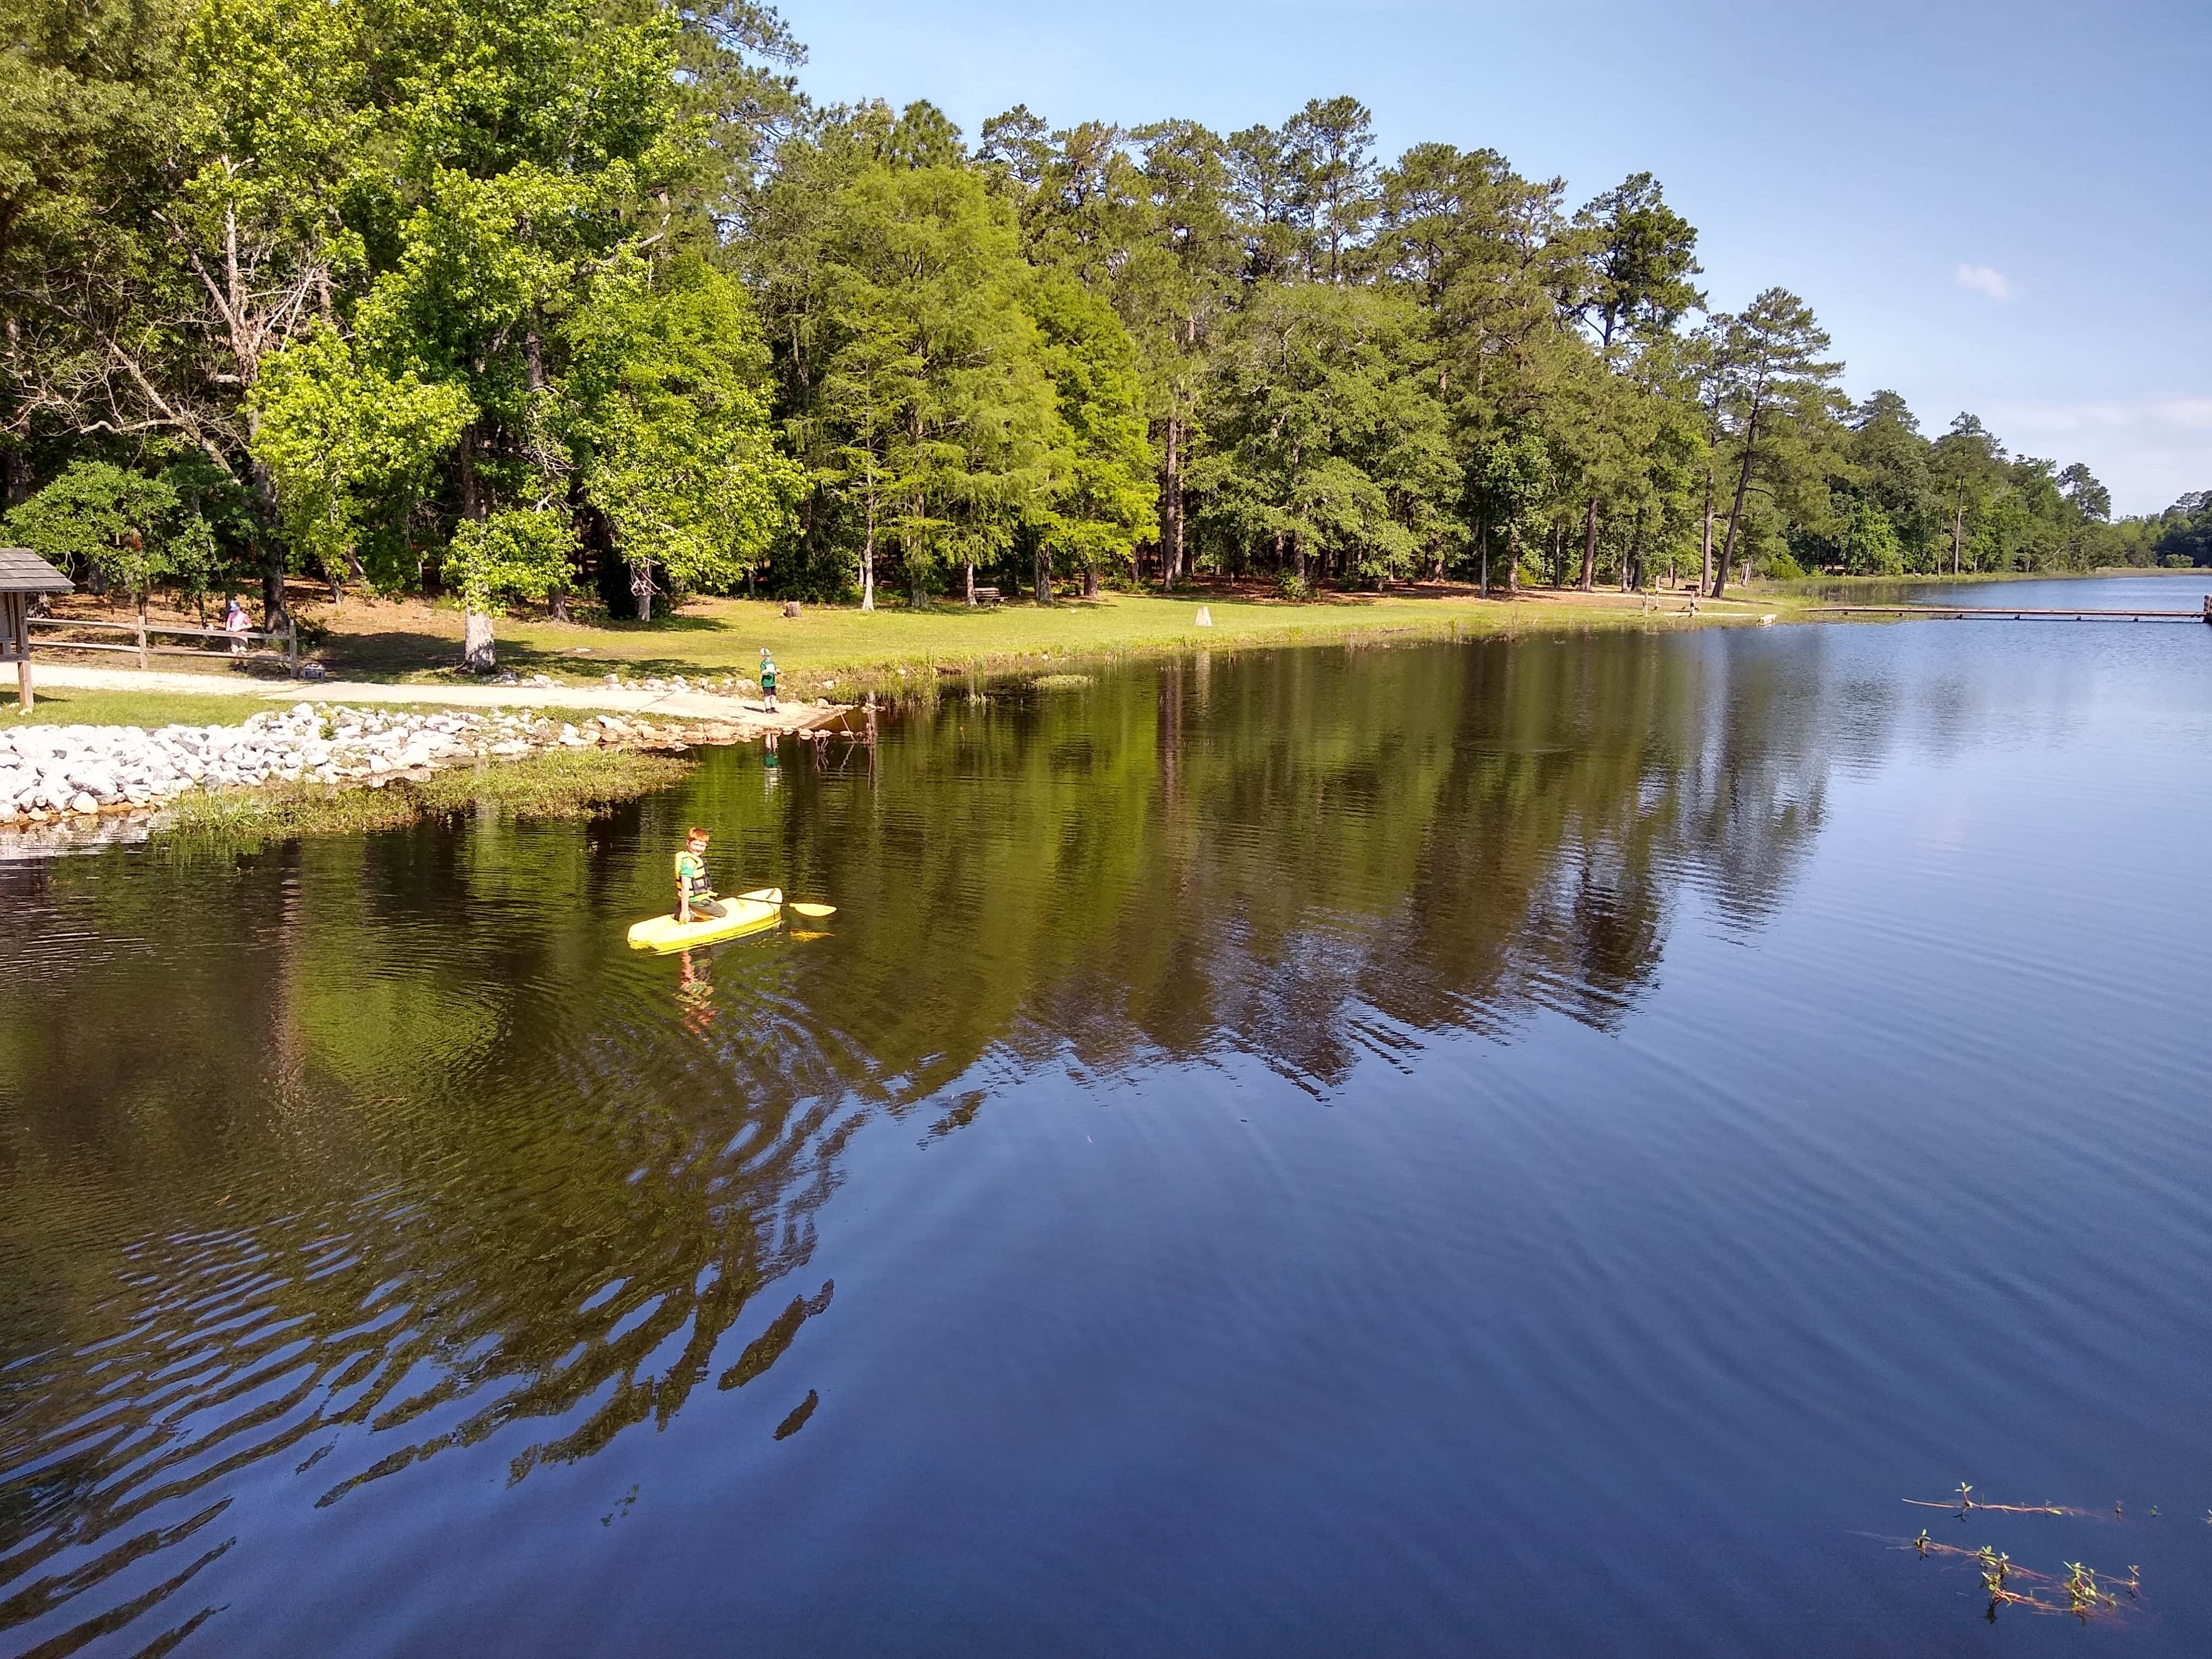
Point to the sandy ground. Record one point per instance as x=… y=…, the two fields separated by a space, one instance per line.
x=624 y=700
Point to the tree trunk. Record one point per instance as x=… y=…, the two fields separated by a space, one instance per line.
x=558 y=600
x=968 y=567
x=1171 y=508
x=1957 y=534
x=275 y=613
x=477 y=653
x=1512 y=561
x=1482 y=544
x=1590 y=548
x=1735 y=512
x=1705 y=546
x=868 y=559
x=1042 y=581
x=1558 y=552
x=640 y=587
x=1089 y=581
x=261 y=489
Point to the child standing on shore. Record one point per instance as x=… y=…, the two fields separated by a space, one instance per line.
x=767 y=679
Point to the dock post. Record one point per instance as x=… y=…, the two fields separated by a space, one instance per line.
x=16 y=642
x=142 y=662
x=2208 y=609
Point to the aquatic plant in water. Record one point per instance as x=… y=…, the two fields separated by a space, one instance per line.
x=2080 y=1595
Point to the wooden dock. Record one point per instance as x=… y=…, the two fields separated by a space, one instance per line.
x=2014 y=613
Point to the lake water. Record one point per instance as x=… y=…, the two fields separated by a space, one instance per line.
x=1531 y=1147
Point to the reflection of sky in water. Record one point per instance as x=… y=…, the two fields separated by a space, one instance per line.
x=1302 y=1152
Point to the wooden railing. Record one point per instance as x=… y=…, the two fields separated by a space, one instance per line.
x=2014 y=612
x=281 y=643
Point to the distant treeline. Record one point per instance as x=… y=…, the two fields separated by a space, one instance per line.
x=517 y=298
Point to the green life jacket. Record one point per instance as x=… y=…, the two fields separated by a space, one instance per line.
x=690 y=871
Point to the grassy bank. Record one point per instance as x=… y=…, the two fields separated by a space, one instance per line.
x=73 y=706
x=559 y=783
x=69 y=706
x=840 y=651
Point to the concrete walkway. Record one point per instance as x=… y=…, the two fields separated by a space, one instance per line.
x=613 y=700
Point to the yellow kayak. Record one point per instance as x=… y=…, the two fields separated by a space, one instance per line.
x=748 y=913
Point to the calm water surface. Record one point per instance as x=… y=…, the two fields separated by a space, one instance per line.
x=1526 y=1147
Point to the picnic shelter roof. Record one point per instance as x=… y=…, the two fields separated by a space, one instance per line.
x=22 y=571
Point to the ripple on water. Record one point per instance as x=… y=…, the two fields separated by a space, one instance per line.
x=1536 y=1144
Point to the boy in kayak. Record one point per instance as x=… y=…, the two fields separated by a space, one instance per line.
x=767 y=679
x=695 y=898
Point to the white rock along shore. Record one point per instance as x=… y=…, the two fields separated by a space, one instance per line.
x=55 y=773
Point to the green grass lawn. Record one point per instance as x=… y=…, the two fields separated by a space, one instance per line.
x=69 y=706
x=841 y=650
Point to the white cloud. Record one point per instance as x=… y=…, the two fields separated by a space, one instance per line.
x=1986 y=279
x=2147 y=450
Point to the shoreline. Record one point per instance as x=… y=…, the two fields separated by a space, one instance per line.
x=533 y=723
x=374 y=651
x=326 y=768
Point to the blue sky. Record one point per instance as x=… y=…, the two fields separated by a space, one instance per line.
x=1994 y=207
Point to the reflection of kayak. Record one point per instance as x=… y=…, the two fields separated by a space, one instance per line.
x=748 y=914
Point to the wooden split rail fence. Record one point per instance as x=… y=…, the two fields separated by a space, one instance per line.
x=281 y=643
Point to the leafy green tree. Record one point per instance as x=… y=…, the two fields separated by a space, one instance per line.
x=915 y=382
x=108 y=524
x=2079 y=485
x=1264 y=184
x=512 y=553
x=1868 y=542
x=1102 y=504
x=247 y=243
x=538 y=149
x=1512 y=478
x=89 y=92
x=1888 y=459
x=734 y=63
x=668 y=392
x=1328 y=148
x=1641 y=255
x=1966 y=466
x=1335 y=446
x=2184 y=531
x=1778 y=388
x=349 y=450
x=381 y=289
x=1185 y=282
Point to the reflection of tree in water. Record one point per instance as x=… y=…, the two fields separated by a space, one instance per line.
x=502 y=1180
x=1266 y=854
x=509 y=1213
